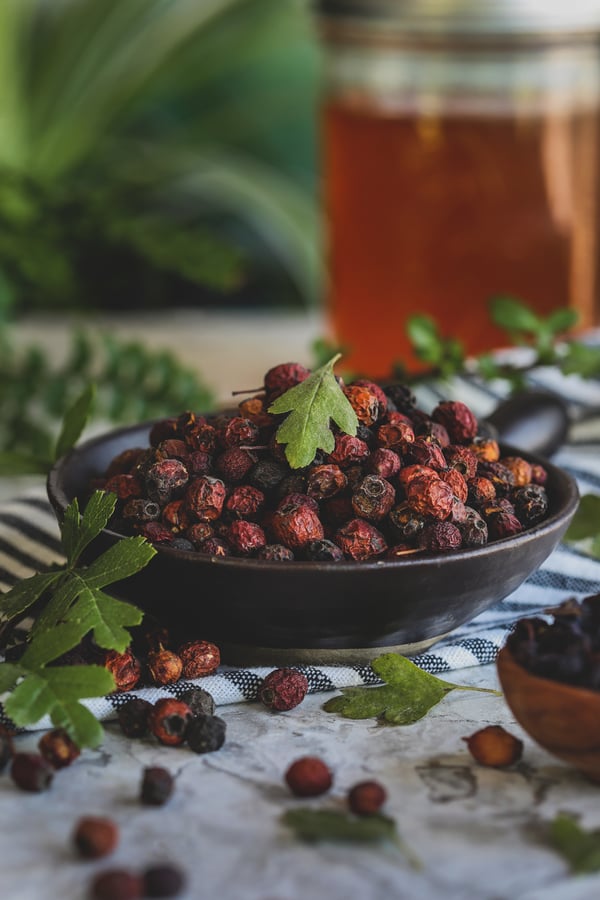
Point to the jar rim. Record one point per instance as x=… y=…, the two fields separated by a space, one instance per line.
x=468 y=18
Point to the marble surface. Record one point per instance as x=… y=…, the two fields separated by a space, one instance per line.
x=478 y=832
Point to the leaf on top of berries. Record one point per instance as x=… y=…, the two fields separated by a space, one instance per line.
x=312 y=405
x=407 y=695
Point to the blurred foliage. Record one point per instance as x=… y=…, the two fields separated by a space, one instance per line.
x=156 y=152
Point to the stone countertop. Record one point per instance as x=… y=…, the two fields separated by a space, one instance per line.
x=478 y=832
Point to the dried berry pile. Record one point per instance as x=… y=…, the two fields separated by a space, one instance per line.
x=566 y=650
x=407 y=482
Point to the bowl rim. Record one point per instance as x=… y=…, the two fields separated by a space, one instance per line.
x=59 y=501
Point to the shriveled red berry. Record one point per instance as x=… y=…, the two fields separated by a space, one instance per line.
x=125 y=668
x=520 y=468
x=155 y=532
x=239 y=431
x=124 y=486
x=175 y=516
x=408 y=473
x=275 y=553
x=439 y=536
x=430 y=497
x=205 y=497
x=502 y=525
x=486 y=449
x=134 y=717
x=58 y=748
x=199 y=532
x=31 y=772
x=198 y=463
x=325 y=481
x=199 y=658
x=214 y=546
x=425 y=453
x=360 y=540
x=457 y=419
x=164 y=478
x=245 y=537
x=245 y=501
x=373 y=498
x=255 y=409
x=395 y=436
x=174 y=448
x=169 y=720
x=462 y=459
x=125 y=462
x=494 y=746
x=364 y=402
x=296 y=525
x=95 y=836
x=116 y=884
x=457 y=482
x=348 y=450
x=283 y=689
x=384 y=462
x=164 y=666
x=309 y=776
x=201 y=436
x=366 y=798
x=282 y=377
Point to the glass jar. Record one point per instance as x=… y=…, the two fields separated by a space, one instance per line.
x=461 y=146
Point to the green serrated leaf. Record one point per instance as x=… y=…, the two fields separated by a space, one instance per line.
x=579 y=847
x=561 y=320
x=9 y=675
x=56 y=609
x=514 y=316
x=51 y=644
x=98 y=511
x=119 y=561
x=23 y=464
x=106 y=617
x=408 y=694
x=312 y=405
x=56 y=692
x=425 y=338
x=74 y=421
x=334 y=825
x=586 y=521
x=25 y=593
x=69 y=531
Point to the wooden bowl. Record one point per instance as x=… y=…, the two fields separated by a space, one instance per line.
x=562 y=718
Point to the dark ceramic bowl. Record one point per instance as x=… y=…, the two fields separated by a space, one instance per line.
x=275 y=612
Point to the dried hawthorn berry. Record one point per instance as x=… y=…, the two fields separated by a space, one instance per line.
x=214 y=546
x=124 y=463
x=141 y=510
x=375 y=389
x=175 y=516
x=198 y=463
x=295 y=483
x=164 y=666
x=530 y=504
x=95 y=837
x=425 y=453
x=267 y=474
x=430 y=497
x=255 y=409
x=408 y=473
x=169 y=720
x=163 y=881
x=474 y=532
x=199 y=701
x=395 y=436
x=205 y=497
x=384 y=462
x=462 y=459
x=457 y=419
x=501 y=477
x=494 y=746
x=440 y=536
x=503 y=525
x=373 y=498
x=31 y=772
x=245 y=537
x=481 y=491
x=238 y=432
x=486 y=449
x=457 y=482
x=433 y=431
x=337 y=510
x=364 y=402
x=58 y=748
x=348 y=450
x=124 y=486
x=325 y=481
x=322 y=551
x=282 y=377
x=296 y=526
x=538 y=474
x=283 y=689
x=520 y=468
x=174 y=448
x=407 y=523
x=275 y=553
x=157 y=786
x=155 y=532
x=198 y=532
x=163 y=430
x=199 y=658
x=360 y=540
x=125 y=668
x=309 y=776
x=116 y=884
x=296 y=498
x=134 y=717
x=201 y=436
x=165 y=478
x=366 y=798
x=245 y=501
x=206 y=734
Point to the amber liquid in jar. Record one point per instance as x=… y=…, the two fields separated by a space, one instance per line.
x=437 y=215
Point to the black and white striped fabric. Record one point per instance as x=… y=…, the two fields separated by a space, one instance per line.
x=29 y=541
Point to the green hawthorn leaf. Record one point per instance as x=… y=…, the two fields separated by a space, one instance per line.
x=312 y=405
x=335 y=825
x=9 y=675
x=25 y=593
x=425 y=338
x=561 y=320
x=580 y=848
x=512 y=315
x=69 y=531
x=74 y=421
x=57 y=607
x=98 y=511
x=586 y=521
x=407 y=695
x=56 y=692
x=120 y=561
x=105 y=616
x=52 y=644
x=17 y=463
x=581 y=359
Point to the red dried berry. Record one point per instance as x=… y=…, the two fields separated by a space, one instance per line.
x=255 y=409
x=157 y=786
x=125 y=668
x=457 y=419
x=457 y=482
x=309 y=776
x=124 y=486
x=383 y=462
x=162 y=431
x=205 y=497
x=281 y=378
x=164 y=478
x=245 y=537
x=520 y=468
x=275 y=553
x=395 y=436
x=364 y=403
x=169 y=720
x=359 y=540
x=58 y=748
x=95 y=837
x=486 y=449
x=31 y=772
x=462 y=459
x=425 y=453
x=348 y=450
x=245 y=501
x=296 y=525
x=375 y=389
x=199 y=532
x=494 y=746
x=116 y=884
x=155 y=532
x=366 y=798
x=198 y=463
x=141 y=510
x=408 y=473
x=173 y=448
x=283 y=689
x=214 y=546
x=201 y=436
x=124 y=463
x=430 y=497
x=440 y=536
x=481 y=491
x=238 y=432
x=199 y=658
x=325 y=481
x=164 y=667
x=373 y=498
x=296 y=498
x=175 y=516
x=502 y=525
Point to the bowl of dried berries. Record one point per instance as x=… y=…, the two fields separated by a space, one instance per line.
x=324 y=520
x=550 y=675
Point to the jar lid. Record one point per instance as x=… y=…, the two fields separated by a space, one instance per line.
x=468 y=17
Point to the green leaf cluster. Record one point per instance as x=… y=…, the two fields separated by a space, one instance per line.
x=407 y=695
x=132 y=384
x=72 y=603
x=580 y=848
x=544 y=335
x=314 y=825
x=584 y=529
x=311 y=406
